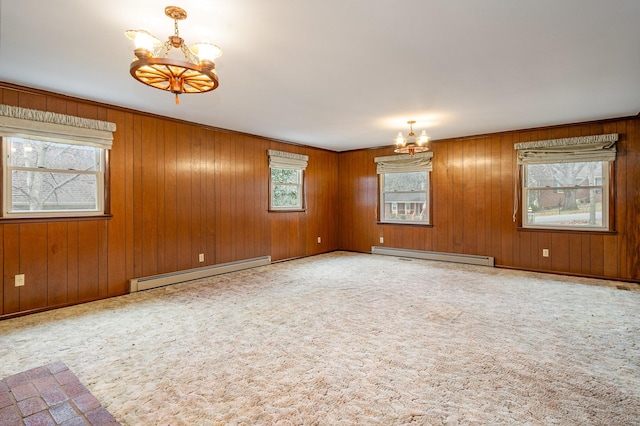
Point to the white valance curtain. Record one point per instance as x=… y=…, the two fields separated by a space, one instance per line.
x=54 y=127
x=420 y=162
x=287 y=160
x=568 y=150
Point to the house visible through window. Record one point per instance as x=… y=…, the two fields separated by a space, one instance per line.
x=53 y=164
x=286 y=189
x=579 y=199
x=566 y=182
x=404 y=188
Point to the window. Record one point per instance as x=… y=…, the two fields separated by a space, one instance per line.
x=52 y=178
x=404 y=188
x=566 y=182
x=286 y=189
x=579 y=200
x=53 y=164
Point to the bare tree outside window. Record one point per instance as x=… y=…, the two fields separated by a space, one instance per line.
x=53 y=177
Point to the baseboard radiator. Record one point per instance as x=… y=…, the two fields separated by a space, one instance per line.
x=433 y=255
x=146 y=283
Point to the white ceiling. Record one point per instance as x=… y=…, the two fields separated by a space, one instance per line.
x=346 y=74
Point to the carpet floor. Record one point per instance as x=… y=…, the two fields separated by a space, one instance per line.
x=347 y=338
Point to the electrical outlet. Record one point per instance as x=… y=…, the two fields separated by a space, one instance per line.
x=319 y=240
x=201 y=257
x=381 y=240
x=19 y=280
x=545 y=252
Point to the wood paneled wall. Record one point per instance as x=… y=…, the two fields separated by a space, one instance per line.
x=473 y=198
x=177 y=190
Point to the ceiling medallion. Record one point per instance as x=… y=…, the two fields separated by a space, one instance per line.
x=152 y=66
x=410 y=145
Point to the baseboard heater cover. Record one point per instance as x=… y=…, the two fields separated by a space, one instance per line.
x=434 y=255
x=146 y=283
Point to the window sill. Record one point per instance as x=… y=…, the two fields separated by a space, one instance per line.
x=9 y=220
x=286 y=210
x=423 y=225
x=568 y=231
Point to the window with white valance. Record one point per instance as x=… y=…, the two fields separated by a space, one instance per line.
x=54 y=164
x=405 y=188
x=286 y=177
x=566 y=182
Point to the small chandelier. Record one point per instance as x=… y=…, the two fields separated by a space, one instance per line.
x=411 y=144
x=152 y=66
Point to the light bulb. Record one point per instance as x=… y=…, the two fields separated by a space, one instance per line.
x=423 y=138
x=400 y=139
x=143 y=41
x=206 y=52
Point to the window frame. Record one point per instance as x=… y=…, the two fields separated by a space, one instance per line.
x=280 y=160
x=606 y=186
x=300 y=185
x=405 y=163
x=7 y=183
x=381 y=196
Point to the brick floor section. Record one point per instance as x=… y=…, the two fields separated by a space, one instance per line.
x=49 y=395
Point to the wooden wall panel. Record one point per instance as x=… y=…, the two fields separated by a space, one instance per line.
x=137 y=218
x=185 y=200
x=161 y=209
x=346 y=215
x=457 y=188
x=507 y=166
x=127 y=133
x=479 y=228
x=222 y=196
x=11 y=267
x=624 y=217
x=103 y=261
x=116 y=233
x=33 y=263
x=88 y=260
x=148 y=205
x=196 y=184
x=57 y=263
x=170 y=191
x=496 y=200
x=633 y=200
x=73 y=262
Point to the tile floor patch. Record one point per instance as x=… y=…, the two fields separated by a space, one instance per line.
x=49 y=395
x=24 y=391
x=54 y=395
x=63 y=412
x=39 y=419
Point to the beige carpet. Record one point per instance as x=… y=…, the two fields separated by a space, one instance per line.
x=348 y=338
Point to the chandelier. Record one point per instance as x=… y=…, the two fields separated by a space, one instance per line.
x=152 y=66
x=410 y=145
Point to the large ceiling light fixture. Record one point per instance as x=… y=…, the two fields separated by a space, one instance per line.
x=153 y=67
x=411 y=144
